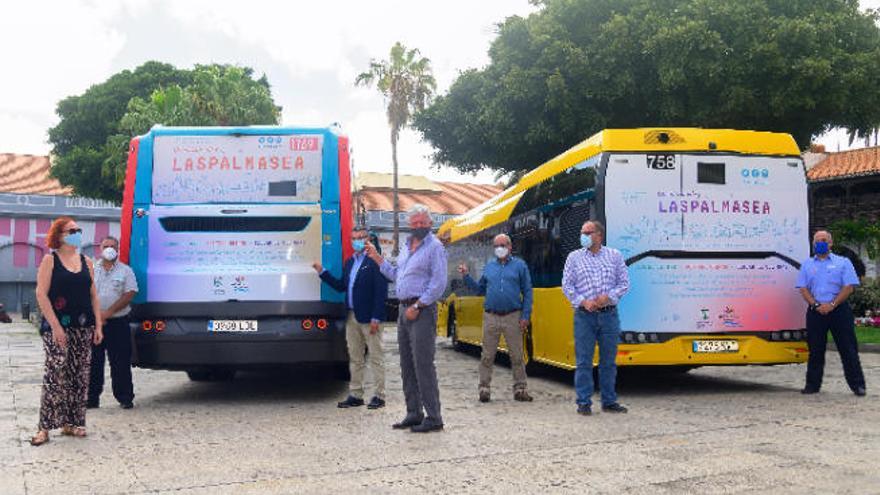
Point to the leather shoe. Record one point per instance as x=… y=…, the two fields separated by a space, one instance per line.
x=350 y=401
x=522 y=396
x=126 y=405
x=614 y=407
x=92 y=405
x=484 y=396
x=376 y=403
x=585 y=410
x=407 y=423
x=860 y=391
x=425 y=427
x=808 y=391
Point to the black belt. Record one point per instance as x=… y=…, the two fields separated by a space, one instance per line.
x=409 y=302
x=606 y=309
x=500 y=313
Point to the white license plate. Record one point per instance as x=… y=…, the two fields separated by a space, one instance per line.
x=232 y=325
x=716 y=346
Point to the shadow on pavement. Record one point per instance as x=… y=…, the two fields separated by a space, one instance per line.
x=300 y=384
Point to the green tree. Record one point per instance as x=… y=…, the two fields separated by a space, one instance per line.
x=578 y=66
x=407 y=83
x=94 y=162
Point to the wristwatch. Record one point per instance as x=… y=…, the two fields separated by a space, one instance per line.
x=815 y=306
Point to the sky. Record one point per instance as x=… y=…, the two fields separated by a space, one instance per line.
x=311 y=53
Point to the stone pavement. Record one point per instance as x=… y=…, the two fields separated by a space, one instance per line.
x=713 y=430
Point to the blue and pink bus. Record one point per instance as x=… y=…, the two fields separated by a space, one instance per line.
x=221 y=226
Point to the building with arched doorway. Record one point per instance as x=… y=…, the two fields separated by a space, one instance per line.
x=846 y=185
x=29 y=200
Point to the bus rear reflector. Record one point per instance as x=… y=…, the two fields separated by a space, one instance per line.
x=322 y=324
x=159 y=326
x=147 y=325
x=307 y=324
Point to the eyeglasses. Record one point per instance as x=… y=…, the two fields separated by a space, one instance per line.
x=589 y=233
x=74 y=231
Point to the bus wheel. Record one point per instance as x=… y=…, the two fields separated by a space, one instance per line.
x=452 y=330
x=531 y=365
x=341 y=372
x=211 y=374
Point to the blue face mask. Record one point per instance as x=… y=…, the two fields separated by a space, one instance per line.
x=74 y=240
x=358 y=244
x=821 y=247
x=586 y=241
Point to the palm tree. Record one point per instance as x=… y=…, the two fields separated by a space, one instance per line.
x=406 y=82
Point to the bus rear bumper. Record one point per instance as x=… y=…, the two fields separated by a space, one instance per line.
x=751 y=349
x=186 y=344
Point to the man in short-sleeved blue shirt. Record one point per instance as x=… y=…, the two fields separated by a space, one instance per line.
x=826 y=281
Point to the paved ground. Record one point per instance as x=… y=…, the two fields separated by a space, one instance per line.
x=714 y=430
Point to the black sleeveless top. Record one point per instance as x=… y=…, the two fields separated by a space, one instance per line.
x=70 y=294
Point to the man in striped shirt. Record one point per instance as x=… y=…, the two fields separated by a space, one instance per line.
x=593 y=280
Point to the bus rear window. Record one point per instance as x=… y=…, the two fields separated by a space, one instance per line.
x=227 y=169
x=234 y=224
x=710 y=173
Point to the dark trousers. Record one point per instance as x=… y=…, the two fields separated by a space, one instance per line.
x=117 y=344
x=842 y=326
x=416 y=342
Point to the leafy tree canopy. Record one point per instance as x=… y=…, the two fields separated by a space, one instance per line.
x=90 y=143
x=578 y=66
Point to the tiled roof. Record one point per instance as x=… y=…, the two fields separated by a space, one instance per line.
x=847 y=164
x=28 y=174
x=452 y=199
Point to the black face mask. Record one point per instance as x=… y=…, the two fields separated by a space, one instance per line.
x=421 y=232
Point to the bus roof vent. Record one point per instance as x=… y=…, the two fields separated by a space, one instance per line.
x=663 y=137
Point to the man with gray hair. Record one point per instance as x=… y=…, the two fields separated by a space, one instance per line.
x=507 y=285
x=420 y=279
x=116 y=286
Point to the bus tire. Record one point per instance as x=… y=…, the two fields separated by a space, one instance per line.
x=211 y=375
x=531 y=365
x=452 y=330
x=341 y=372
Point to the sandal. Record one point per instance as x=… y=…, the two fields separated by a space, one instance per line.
x=74 y=431
x=40 y=438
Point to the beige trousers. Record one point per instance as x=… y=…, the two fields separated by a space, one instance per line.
x=360 y=341
x=493 y=327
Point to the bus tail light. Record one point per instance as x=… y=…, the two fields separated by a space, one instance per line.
x=322 y=324
x=159 y=326
x=307 y=324
x=147 y=325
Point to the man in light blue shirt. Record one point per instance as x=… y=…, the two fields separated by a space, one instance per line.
x=506 y=310
x=826 y=281
x=420 y=279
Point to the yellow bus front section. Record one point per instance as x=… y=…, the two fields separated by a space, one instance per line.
x=552 y=339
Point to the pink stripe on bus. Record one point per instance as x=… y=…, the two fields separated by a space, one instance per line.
x=5 y=226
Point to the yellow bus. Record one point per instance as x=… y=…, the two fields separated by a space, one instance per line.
x=713 y=225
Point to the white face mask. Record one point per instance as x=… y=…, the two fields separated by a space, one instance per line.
x=109 y=254
x=501 y=252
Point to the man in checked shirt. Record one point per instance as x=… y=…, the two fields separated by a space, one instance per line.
x=593 y=280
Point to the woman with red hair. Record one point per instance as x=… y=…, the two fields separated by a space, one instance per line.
x=71 y=323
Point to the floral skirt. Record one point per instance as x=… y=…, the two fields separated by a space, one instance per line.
x=66 y=379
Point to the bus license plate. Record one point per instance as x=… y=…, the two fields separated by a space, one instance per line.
x=232 y=325
x=716 y=346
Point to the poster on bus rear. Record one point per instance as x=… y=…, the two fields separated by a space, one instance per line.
x=191 y=169
x=713 y=242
